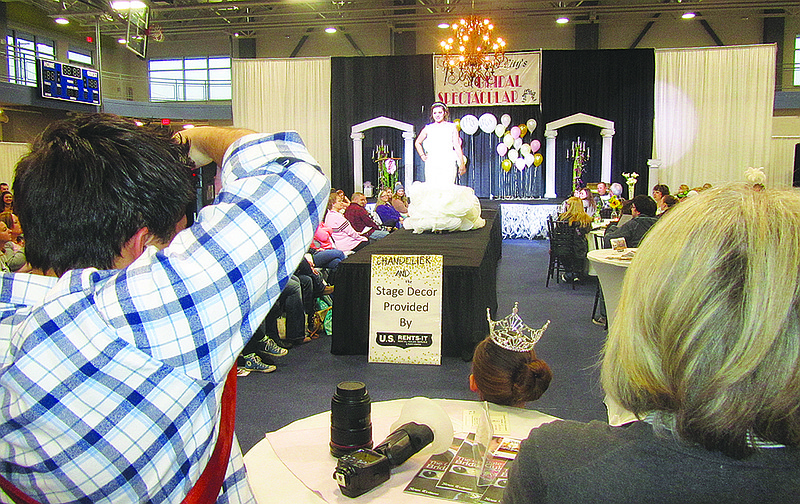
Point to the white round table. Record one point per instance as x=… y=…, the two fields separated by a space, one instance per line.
x=610 y=266
x=294 y=464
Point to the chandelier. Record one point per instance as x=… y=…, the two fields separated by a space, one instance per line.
x=471 y=55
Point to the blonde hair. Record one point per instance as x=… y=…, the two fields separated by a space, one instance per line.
x=717 y=347
x=575 y=212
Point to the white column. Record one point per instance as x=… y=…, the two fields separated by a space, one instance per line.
x=608 y=135
x=358 y=168
x=550 y=164
x=408 y=158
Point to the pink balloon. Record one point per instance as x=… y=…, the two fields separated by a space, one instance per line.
x=535 y=145
x=515 y=131
x=502 y=149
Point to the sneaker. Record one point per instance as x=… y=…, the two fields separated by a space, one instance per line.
x=600 y=320
x=252 y=362
x=272 y=348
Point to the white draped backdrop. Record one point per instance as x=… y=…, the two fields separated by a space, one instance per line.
x=713 y=115
x=271 y=95
x=10 y=152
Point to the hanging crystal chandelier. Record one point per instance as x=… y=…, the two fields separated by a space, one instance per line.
x=471 y=55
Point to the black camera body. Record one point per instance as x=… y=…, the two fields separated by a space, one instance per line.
x=362 y=470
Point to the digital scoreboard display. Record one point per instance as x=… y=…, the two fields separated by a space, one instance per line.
x=61 y=81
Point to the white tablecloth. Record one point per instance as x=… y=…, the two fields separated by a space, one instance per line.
x=610 y=271
x=294 y=465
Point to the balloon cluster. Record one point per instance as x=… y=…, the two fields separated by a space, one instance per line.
x=512 y=146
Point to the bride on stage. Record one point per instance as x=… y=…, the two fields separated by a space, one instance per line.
x=438 y=204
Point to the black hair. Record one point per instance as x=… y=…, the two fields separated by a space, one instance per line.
x=645 y=205
x=90 y=183
x=662 y=188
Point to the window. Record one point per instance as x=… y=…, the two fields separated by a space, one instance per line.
x=23 y=49
x=190 y=79
x=797 y=61
x=79 y=56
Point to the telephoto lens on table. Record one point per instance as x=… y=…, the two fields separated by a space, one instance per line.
x=351 y=425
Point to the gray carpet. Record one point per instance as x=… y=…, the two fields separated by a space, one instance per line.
x=307 y=376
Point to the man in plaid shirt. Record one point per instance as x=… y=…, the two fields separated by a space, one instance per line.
x=115 y=355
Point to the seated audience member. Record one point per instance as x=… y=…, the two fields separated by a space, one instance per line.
x=581 y=223
x=12 y=223
x=290 y=304
x=359 y=218
x=3 y=187
x=118 y=347
x=389 y=216
x=708 y=364
x=342 y=195
x=643 y=210
x=659 y=191
x=400 y=200
x=323 y=251
x=505 y=369
x=12 y=254
x=602 y=197
x=616 y=189
x=667 y=202
x=8 y=201
x=587 y=200
x=344 y=237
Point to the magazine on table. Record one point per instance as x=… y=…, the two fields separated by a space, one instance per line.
x=454 y=474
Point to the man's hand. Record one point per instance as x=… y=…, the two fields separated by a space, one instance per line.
x=209 y=143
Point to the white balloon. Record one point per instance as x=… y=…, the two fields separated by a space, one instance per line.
x=513 y=155
x=531 y=124
x=508 y=140
x=488 y=122
x=499 y=130
x=505 y=119
x=517 y=143
x=469 y=124
x=528 y=159
x=520 y=164
x=525 y=149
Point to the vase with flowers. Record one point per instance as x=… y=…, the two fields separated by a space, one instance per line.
x=387 y=166
x=630 y=179
x=616 y=207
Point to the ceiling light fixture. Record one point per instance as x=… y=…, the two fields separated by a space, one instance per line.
x=562 y=20
x=62 y=21
x=472 y=55
x=122 y=41
x=689 y=15
x=121 y=5
x=443 y=25
x=330 y=29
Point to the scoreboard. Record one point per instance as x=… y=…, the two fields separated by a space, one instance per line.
x=61 y=81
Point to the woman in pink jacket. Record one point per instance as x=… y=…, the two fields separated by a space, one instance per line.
x=344 y=237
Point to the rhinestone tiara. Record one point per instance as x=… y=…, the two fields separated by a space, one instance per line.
x=511 y=332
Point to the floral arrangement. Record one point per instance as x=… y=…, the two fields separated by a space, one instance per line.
x=579 y=154
x=614 y=203
x=387 y=165
x=630 y=179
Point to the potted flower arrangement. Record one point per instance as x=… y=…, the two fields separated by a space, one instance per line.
x=630 y=179
x=616 y=206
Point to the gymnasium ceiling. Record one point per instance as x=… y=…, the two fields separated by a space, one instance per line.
x=189 y=17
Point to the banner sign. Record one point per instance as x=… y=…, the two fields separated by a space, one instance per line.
x=405 y=322
x=515 y=82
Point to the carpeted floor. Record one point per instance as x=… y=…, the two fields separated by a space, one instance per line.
x=307 y=376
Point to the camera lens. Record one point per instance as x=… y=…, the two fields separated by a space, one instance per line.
x=351 y=426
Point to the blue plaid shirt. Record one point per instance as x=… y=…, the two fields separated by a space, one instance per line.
x=110 y=381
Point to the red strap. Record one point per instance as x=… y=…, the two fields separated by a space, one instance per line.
x=15 y=493
x=209 y=485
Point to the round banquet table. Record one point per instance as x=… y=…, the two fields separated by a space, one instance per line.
x=610 y=268
x=294 y=464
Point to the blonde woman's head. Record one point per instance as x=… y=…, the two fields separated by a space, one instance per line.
x=707 y=329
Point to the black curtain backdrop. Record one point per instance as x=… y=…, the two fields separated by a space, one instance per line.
x=616 y=85
x=363 y=88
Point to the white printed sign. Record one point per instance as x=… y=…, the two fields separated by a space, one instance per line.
x=405 y=322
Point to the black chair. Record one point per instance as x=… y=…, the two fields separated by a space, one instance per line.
x=561 y=236
x=599 y=244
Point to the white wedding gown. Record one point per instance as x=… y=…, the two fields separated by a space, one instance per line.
x=438 y=204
